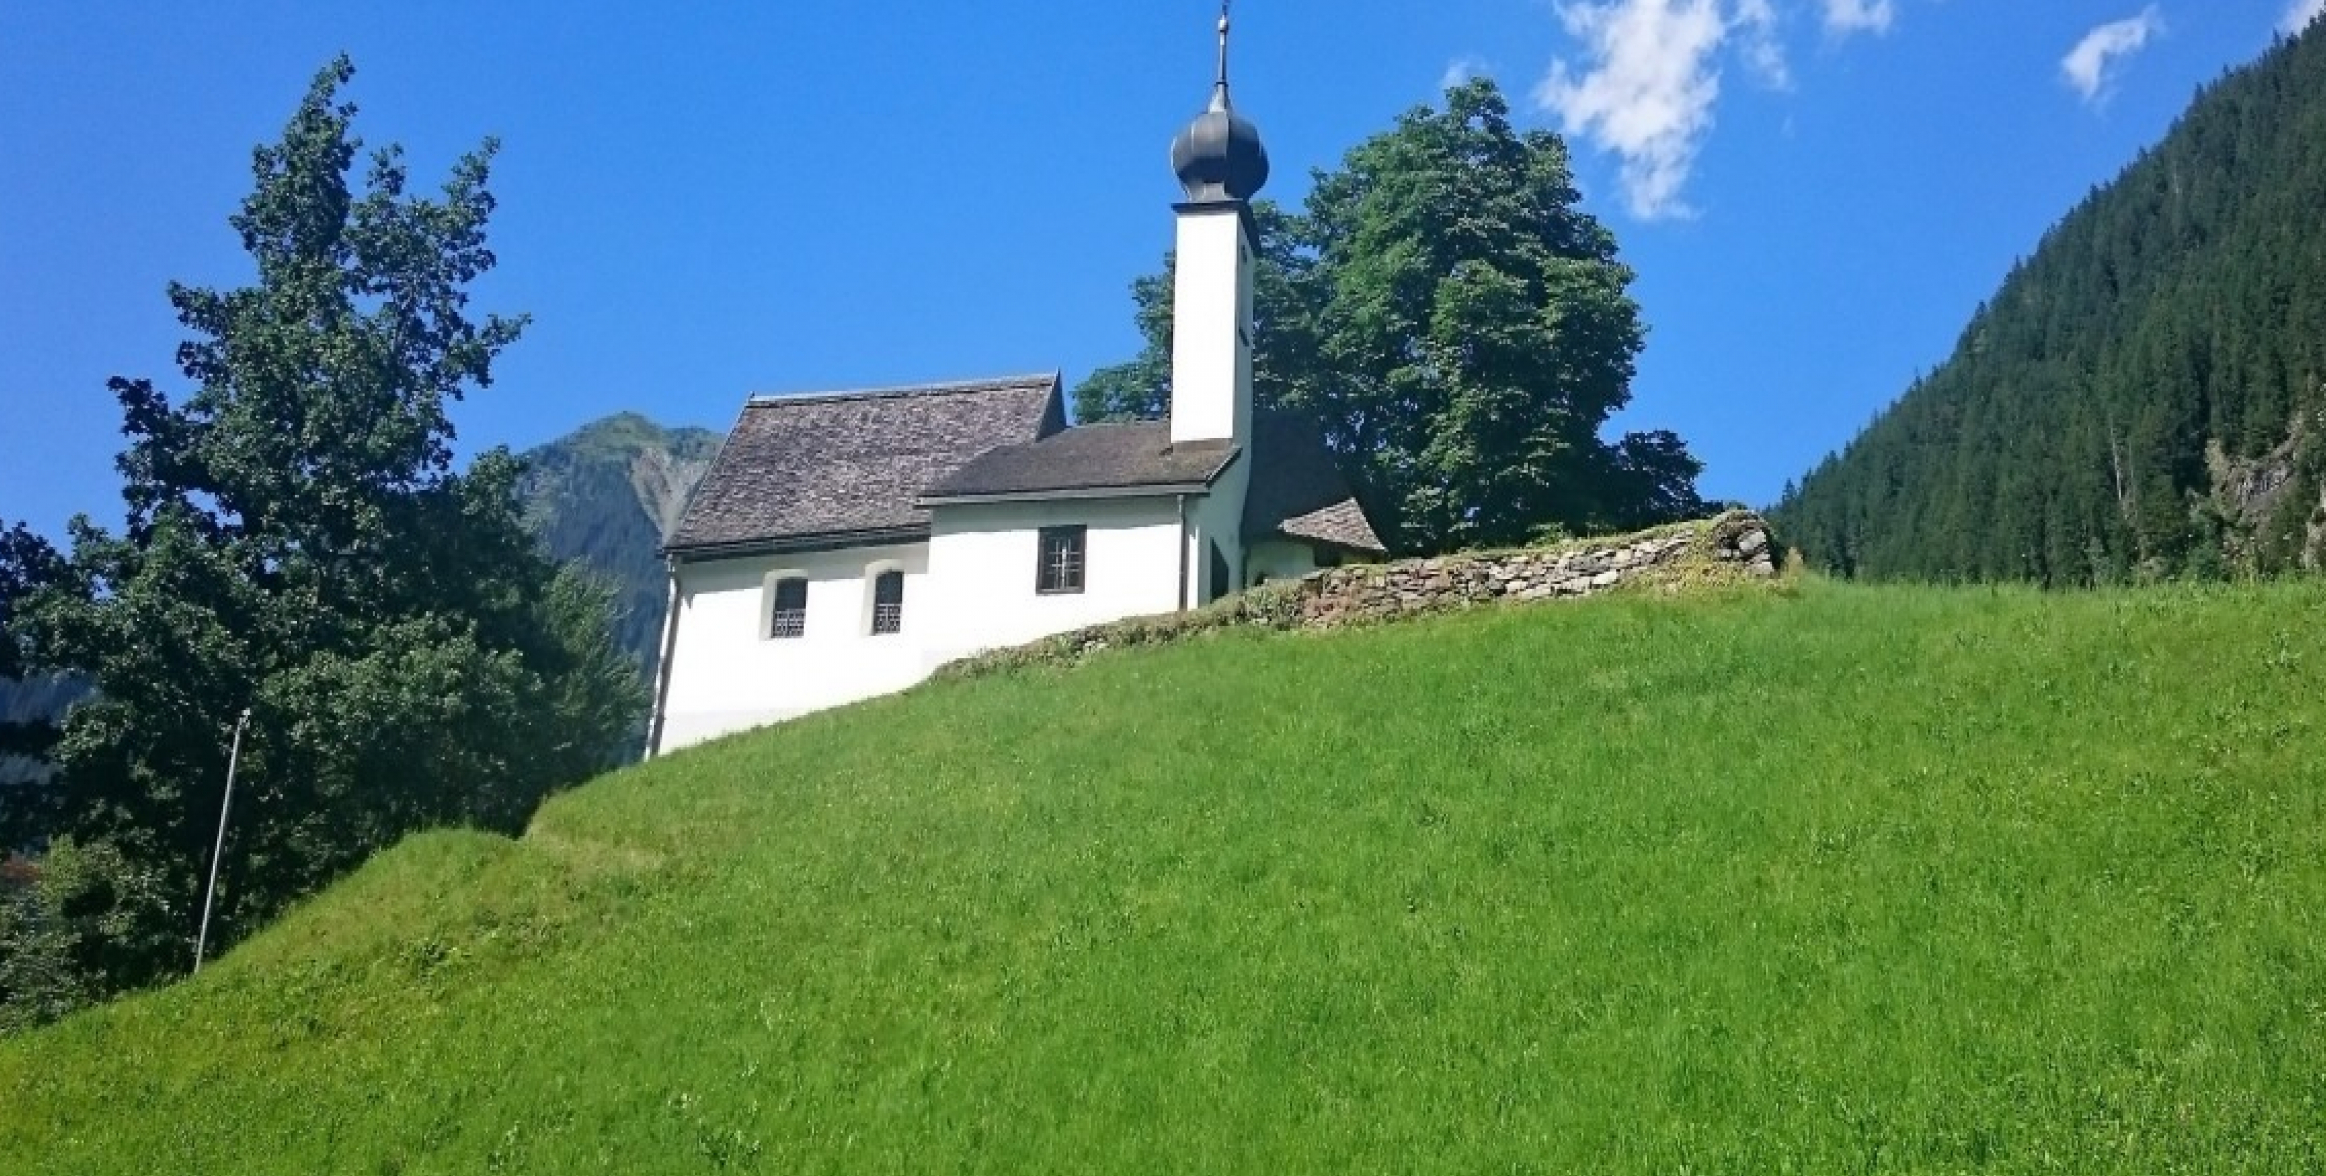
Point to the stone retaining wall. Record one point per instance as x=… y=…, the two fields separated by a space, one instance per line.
x=1731 y=548
x=1737 y=541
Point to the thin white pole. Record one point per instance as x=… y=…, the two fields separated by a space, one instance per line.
x=225 y=806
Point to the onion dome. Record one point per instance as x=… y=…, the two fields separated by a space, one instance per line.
x=1219 y=156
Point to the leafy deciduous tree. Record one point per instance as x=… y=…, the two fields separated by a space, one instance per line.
x=1460 y=327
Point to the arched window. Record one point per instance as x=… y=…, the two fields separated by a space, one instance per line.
x=888 y=602
x=787 y=613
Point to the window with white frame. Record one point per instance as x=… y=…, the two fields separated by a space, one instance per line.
x=888 y=603
x=1061 y=566
x=787 y=615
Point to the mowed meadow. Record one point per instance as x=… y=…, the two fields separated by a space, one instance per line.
x=1818 y=879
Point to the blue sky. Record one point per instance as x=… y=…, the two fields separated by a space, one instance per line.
x=704 y=201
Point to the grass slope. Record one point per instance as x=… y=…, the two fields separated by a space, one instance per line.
x=1836 y=880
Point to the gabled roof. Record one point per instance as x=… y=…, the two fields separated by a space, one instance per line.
x=1297 y=489
x=1135 y=457
x=852 y=466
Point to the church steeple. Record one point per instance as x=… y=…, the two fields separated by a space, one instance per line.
x=1221 y=165
x=1219 y=156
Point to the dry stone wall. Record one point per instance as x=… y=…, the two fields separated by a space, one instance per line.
x=1731 y=548
x=1737 y=542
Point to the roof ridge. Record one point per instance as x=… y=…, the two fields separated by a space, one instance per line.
x=947 y=387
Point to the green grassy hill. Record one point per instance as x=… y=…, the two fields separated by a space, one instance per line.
x=1831 y=879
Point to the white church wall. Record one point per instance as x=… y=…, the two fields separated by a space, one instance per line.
x=1278 y=559
x=1218 y=517
x=727 y=674
x=971 y=588
x=983 y=559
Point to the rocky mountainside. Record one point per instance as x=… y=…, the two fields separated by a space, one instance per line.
x=2144 y=397
x=605 y=495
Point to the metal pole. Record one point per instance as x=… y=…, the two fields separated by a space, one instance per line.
x=225 y=806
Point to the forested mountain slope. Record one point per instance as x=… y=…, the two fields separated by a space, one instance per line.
x=605 y=495
x=2143 y=396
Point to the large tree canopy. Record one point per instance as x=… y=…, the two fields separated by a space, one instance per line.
x=298 y=543
x=1462 y=329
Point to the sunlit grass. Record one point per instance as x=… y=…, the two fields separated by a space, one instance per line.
x=1835 y=880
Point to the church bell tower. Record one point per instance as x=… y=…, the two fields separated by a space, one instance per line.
x=1221 y=165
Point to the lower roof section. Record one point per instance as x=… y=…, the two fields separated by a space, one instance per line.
x=1087 y=461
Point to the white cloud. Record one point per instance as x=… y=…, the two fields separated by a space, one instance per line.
x=2299 y=14
x=2093 y=66
x=1651 y=82
x=1843 y=17
x=1645 y=81
x=1648 y=93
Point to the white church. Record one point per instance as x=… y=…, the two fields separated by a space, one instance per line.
x=845 y=545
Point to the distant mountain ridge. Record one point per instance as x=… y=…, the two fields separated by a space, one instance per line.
x=30 y=701
x=2145 y=396
x=605 y=495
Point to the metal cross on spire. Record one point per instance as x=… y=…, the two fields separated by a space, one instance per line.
x=1224 y=45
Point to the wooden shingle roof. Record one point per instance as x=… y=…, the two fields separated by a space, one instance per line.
x=851 y=467
x=847 y=468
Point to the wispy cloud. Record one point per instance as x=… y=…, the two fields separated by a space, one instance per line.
x=1648 y=93
x=2299 y=14
x=1460 y=70
x=1843 y=17
x=2092 y=67
x=1755 y=27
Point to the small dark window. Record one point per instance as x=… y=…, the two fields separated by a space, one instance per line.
x=1328 y=557
x=1061 y=566
x=790 y=616
x=888 y=603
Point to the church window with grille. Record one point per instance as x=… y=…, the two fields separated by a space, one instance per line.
x=1062 y=558
x=789 y=617
x=888 y=603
